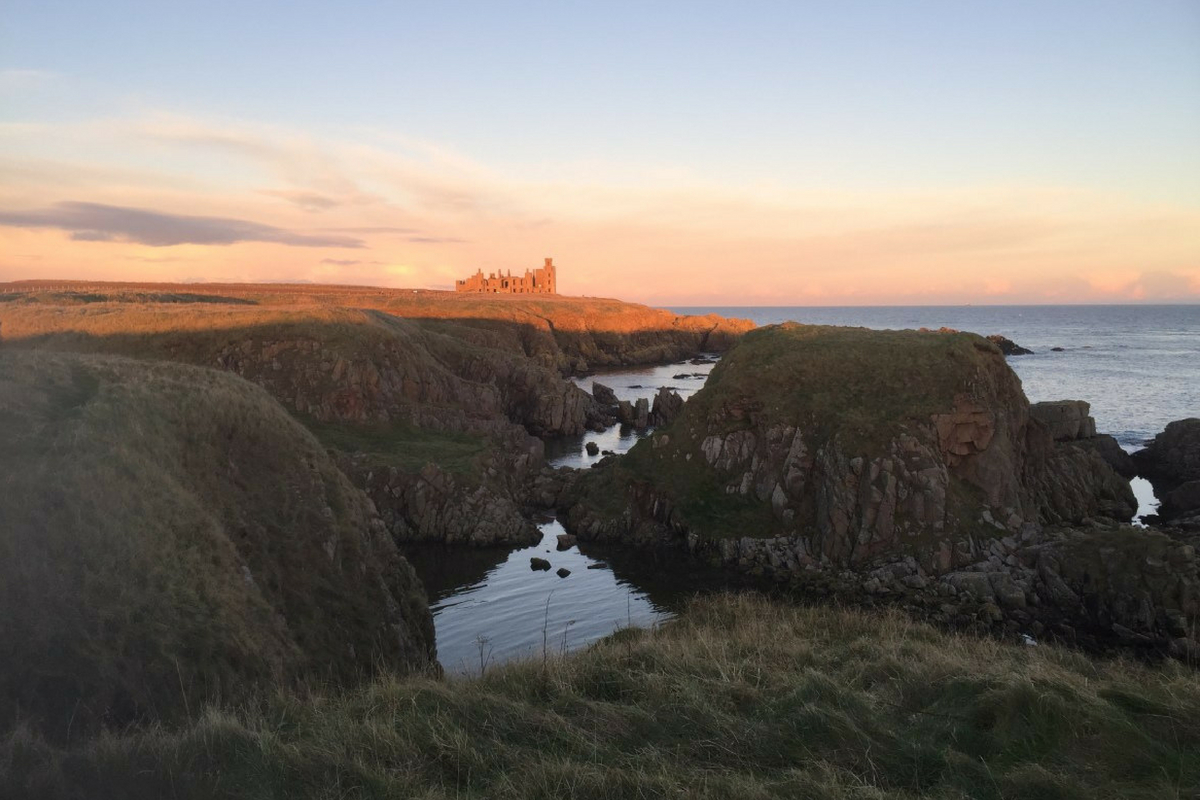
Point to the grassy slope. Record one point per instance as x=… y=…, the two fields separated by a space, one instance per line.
x=740 y=698
x=166 y=536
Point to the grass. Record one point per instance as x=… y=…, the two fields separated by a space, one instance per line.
x=169 y=535
x=741 y=697
x=405 y=447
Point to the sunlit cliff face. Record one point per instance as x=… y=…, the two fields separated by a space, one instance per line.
x=179 y=199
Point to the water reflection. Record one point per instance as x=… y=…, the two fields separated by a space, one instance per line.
x=489 y=606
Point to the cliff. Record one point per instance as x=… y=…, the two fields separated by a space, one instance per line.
x=889 y=463
x=170 y=536
x=418 y=371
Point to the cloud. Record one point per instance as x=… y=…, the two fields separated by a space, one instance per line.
x=95 y=222
x=347 y=262
x=309 y=201
x=435 y=240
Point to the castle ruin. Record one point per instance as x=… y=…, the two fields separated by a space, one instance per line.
x=537 y=281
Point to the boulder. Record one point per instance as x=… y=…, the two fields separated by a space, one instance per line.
x=592 y=448
x=1008 y=347
x=566 y=541
x=563 y=572
x=539 y=564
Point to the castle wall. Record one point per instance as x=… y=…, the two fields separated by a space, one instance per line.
x=543 y=280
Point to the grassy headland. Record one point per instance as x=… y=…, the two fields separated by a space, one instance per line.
x=741 y=697
x=169 y=536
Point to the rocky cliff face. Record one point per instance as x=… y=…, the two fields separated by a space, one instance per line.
x=892 y=459
x=865 y=445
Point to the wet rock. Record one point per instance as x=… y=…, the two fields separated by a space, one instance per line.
x=566 y=541
x=563 y=572
x=1056 y=349
x=539 y=564
x=592 y=448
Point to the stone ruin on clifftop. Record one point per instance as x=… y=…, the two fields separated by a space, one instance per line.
x=542 y=280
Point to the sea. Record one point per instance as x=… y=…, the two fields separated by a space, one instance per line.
x=1137 y=365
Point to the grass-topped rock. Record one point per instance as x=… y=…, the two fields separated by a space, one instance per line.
x=902 y=466
x=169 y=535
x=861 y=444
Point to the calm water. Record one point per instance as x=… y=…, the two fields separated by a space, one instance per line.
x=489 y=606
x=1139 y=367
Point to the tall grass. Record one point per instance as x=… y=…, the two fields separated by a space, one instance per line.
x=741 y=697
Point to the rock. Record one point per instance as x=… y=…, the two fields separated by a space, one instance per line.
x=1056 y=349
x=598 y=565
x=641 y=414
x=603 y=395
x=625 y=412
x=1008 y=347
x=537 y=564
x=667 y=405
x=563 y=572
x=566 y=541
x=1171 y=461
x=1113 y=454
x=1066 y=420
x=1182 y=501
x=592 y=448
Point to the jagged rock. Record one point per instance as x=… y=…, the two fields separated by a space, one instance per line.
x=563 y=572
x=1066 y=420
x=667 y=405
x=603 y=394
x=592 y=448
x=1008 y=347
x=539 y=564
x=566 y=541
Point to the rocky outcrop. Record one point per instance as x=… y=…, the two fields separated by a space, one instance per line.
x=1008 y=347
x=844 y=456
x=434 y=505
x=1171 y=462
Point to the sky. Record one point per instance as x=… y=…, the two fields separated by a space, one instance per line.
x=675 y=153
